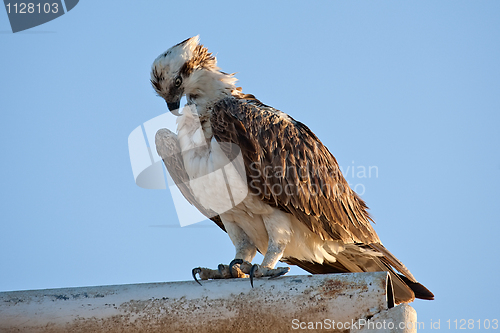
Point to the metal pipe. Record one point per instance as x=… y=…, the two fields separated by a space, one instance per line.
x=274 y=305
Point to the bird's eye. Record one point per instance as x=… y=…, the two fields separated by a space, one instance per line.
x=178 y=81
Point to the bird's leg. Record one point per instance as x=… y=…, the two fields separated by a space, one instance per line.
x=240 y=266
x=273 y=254
x=278 y=228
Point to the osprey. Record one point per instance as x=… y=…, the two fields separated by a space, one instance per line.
x=296 y=208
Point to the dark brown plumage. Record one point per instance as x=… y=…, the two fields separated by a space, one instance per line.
x=321 y=197
x=286 y=166
x=318 y=196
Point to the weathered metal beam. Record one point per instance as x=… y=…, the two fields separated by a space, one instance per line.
x=276 y=305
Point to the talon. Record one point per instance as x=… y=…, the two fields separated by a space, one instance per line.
x=194 y=272
x=221 y=268
x=252 y=272
x=284 y=270
x=232 y=263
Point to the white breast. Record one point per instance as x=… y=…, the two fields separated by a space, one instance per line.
x=214 y=179
x=219 y=187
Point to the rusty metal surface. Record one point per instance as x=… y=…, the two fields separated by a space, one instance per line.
x=401 y=319
x=217 y=306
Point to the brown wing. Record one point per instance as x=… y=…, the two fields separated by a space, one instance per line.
x=168 y=148
x=289 y=168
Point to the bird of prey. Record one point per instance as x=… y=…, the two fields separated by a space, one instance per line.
x=297 y=207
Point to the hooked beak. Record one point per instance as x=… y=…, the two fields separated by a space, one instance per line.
x=174 y=107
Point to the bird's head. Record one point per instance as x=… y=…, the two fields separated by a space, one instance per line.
x=188 y=69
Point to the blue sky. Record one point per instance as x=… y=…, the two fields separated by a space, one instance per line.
x=411 y=88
